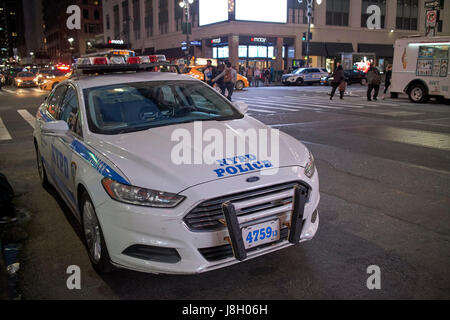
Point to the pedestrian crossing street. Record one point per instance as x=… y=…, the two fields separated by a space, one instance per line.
x=6 y=132
x=275 y=105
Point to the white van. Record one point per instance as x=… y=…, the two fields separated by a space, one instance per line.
x=421 y=68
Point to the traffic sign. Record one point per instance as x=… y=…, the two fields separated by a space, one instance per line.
x=432 y=17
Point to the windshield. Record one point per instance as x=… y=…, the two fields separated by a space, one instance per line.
x=131 y=107
x=297 y=71
x=25 y=74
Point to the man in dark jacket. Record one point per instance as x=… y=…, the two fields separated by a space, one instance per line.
x=338 y=78
x=374 y=81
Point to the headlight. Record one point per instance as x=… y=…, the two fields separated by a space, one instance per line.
x=18 y=80
x=140 y=196
x=310 y=167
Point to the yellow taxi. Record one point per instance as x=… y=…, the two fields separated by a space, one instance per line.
x=52 y=80
x=24 y=79
x=197 y=73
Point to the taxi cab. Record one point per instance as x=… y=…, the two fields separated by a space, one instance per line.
x=24 y=79
x=304 y=76
x=197 y=73
x=105 y=140
x=52 y=79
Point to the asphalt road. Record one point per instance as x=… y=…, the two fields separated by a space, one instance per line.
x=385 y=185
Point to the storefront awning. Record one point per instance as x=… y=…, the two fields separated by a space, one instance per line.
x=315 y=49
x=334 y=49
x=381 y=50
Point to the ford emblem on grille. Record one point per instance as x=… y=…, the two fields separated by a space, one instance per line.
x=252 y=179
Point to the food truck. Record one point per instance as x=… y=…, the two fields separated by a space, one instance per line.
x=420 y=68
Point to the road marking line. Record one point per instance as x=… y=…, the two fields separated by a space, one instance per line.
x=340 y=104
x=271 y=107
x=28 y=117
x=296 y=106
x=259 y=110
x=9 y=91
x=4 y=134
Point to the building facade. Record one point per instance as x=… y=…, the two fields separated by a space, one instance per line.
x=155 y=26
x=63 y=45
x=11 y=26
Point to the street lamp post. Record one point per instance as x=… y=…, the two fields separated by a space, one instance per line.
x=71 y=48
x=309 y=13
x=186 y=5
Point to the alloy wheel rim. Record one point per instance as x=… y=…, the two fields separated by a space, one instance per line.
x=92 y=232
x=417 y=94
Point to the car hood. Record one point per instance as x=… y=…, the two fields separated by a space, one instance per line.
x=145 y=157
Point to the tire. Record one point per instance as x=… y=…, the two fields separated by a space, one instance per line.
x=299 y=82
x=363 y=82
x=240 y=85
x=41 y=170
x=418 y=94
x=93 y=237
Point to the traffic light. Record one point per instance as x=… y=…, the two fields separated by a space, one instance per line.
x=304 y=36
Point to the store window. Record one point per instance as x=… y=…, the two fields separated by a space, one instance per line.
x=163 y=16
x=149 y=18
x=407 y=13
x=137 y=19
x=116 y=22
x=243 y=52
x=297 y=12
x=364 y=16
x=337 y=12
x=126 y=18
x=223 y=52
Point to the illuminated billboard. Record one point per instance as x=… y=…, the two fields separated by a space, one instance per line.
x=261 y=10
x=213 y=11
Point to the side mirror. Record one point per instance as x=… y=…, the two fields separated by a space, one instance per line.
x=54 y=128
x=241 y=106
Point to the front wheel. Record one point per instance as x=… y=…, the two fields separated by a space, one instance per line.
x=240 y=85
x=299 y=81
x=418 y=94
x=363 y=82
x=41 y=170
x=93 y=237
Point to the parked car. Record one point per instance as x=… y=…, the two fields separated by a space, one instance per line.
x=304 y=75
x=351 y=76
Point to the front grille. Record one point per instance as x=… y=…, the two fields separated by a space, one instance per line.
x=223 y=252
x=206 y=216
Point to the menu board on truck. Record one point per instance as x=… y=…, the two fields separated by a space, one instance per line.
x=432 y=61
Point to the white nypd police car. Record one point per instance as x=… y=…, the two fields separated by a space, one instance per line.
x=104 y=142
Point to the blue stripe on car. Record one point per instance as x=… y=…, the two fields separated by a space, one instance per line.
x=96 y=163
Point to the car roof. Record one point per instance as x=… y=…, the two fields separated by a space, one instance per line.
x=86 y=82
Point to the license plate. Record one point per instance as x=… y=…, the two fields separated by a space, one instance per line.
x=260 y=234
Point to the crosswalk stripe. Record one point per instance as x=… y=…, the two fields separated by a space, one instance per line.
x=294 y=105
x=4 y=134
x=28 y=117
x=274 y=107
x=260 y=110
x=9 y=91
x=318 y=101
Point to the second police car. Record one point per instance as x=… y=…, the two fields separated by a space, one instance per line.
x=304 y=76
x=104 y=142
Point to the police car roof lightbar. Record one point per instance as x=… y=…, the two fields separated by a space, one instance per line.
x=101 y=68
